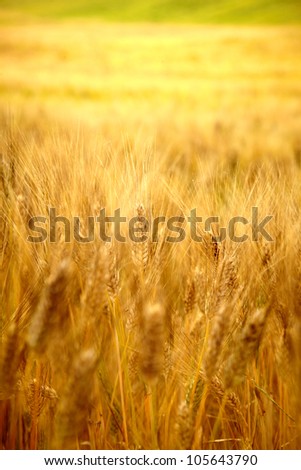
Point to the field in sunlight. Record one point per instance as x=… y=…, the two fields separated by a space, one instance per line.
x=178 y=11
x=184 y=343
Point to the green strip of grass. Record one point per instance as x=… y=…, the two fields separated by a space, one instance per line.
x=197 y=11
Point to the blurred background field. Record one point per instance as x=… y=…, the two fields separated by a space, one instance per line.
x=199 y=11
x=147 y=75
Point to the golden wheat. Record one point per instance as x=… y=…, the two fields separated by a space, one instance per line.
x=150 y=343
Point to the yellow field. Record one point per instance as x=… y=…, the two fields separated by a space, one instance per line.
x=152 y=344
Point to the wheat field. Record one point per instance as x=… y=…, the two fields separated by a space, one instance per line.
x=150 y=344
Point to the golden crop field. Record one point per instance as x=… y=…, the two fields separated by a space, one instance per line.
x=165 y=342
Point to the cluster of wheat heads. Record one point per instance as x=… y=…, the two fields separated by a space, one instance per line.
x=150 y=345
